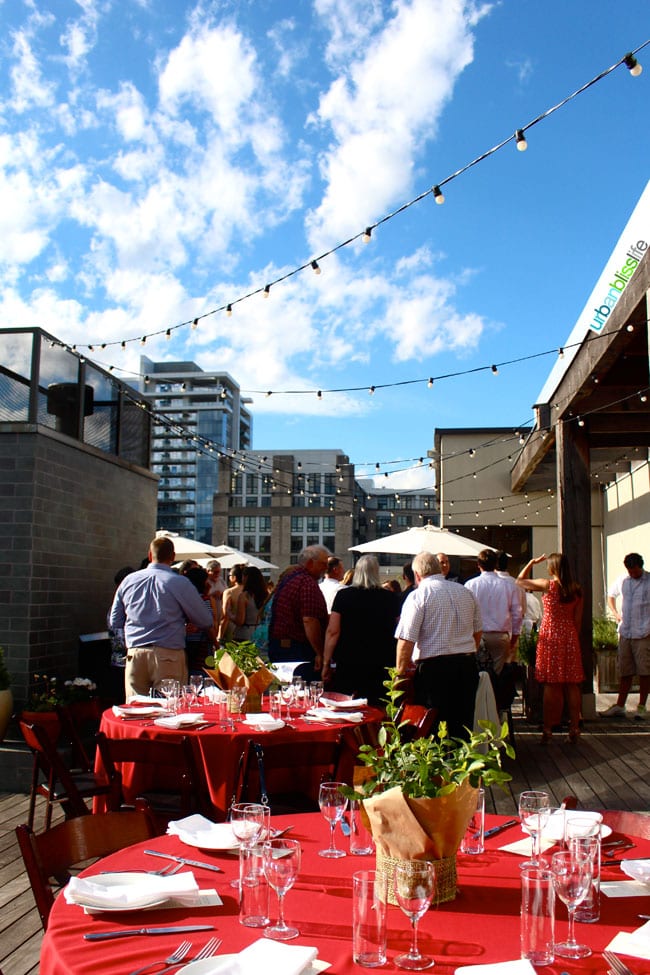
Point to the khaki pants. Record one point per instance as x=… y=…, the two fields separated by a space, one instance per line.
x=147 y=666
x=498 y=646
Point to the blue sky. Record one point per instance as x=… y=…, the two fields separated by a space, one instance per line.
x=162 y=158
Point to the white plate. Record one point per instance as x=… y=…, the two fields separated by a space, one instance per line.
x=178 y=721
x=123 y=880
x=219 y=837
x=221 y=963
x=554 y=829
x=352 y=703
x=141 y=711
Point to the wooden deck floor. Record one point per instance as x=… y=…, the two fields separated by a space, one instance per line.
x=608 y=769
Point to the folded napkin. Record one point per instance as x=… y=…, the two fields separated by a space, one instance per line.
x=140 y=710
x=179 y=720
x=348 y=702
x=93 y=892
x=325 y=714
x=637 y=870
x=144 y=699
x=261 y=717
x=198 y=831
x=524 y=847
x=214 y=694
x=270 y=957
x=273 y=725
x=635 y=943
x=519 y=967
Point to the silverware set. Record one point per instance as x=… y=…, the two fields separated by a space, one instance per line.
x=617 y=966
x=209 y=949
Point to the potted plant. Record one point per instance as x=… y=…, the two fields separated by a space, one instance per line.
x=6 y=697
x=526 y=653
x=239 y=664
x=604 y=640
x=49 y=694
x=419 y=795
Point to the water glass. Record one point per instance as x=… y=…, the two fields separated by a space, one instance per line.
x=275 y=705
x=171 y=690
x=537 y=931
x=361 y=843
x=369 y=896
x=583 y=840
x=474 y=839
x=316 y=690
x=253 y=888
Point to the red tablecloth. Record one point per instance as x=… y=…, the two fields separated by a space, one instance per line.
x=481 y=925
x=217 y=751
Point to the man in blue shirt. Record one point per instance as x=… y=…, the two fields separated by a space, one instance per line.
x=152 y=606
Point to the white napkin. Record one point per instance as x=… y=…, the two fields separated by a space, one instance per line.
x=637 y=870
x=325 y=714
x=635 y=943
x=198 y=831
x=273 y=725
x=270 y=957
x=177 y=721
x=261 y=717
x=524 y=847
x=91 y=892
x=214 y=694
x=623 y=888
x=144 y=699
x=519 y=967
x=352 y=702
x=125 y=711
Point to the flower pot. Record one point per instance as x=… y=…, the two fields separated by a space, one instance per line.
x=6 y=708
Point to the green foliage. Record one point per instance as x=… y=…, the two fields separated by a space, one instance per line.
x=49 y=693
x=604 y=634
x=436 y=765
x=527 y=647
x=245 y=654
x=5 y=679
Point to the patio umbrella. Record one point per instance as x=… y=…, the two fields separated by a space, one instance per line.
x=188 y=548
x=228 y=556
x=425 y=538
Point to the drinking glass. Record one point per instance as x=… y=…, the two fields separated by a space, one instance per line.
x=287 y=692
x=316 y=690
x=299 y=692
x=188 y=697
x=414 y=886
x=247 y=822
x=534 y=811
x=281 y=867
x=170 y=690
x=275 y=704
x=332 y=804
x=571 y=880
x=237 y=699
x=196 y=682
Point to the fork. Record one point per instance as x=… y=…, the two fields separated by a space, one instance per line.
x=174 y=959
x=209 y=949
x=615 y=962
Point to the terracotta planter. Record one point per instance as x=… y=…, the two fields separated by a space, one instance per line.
x=6 y=708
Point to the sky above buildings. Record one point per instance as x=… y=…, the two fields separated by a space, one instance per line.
x=161 y=159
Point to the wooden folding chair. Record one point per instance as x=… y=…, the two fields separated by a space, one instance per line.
x=414 y=721
x=70 y=787
x=80 y=722
x=287 y=775
x=630 y=823
x=49 y=856
x=173 y=784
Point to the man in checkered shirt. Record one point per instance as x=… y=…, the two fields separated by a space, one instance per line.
x=439 y=631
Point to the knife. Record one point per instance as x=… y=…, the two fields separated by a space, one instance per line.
x=496 y=829
x=188 y=863
x=106 y=935
x=610 y=863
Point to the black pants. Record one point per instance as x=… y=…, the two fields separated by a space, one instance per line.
x=448 y=684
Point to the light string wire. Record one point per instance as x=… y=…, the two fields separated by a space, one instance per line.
x=313 y=263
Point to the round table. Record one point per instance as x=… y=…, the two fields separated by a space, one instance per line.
x=480 y=926
x=218 y=751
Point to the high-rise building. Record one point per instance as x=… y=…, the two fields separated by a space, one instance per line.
x=192 y=408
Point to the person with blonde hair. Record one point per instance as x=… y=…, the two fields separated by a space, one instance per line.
x=558 y=661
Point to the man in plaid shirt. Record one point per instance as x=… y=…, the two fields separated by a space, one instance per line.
x=299 y=616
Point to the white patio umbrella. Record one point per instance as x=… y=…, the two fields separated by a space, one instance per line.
x=229 y=556
x=425 y=538
x=188 y=548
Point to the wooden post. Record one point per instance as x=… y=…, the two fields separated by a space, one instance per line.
x=574 y=529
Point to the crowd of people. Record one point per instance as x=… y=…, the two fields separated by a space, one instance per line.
x=348 y=628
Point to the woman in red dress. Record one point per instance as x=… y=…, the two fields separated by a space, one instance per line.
x=558 y=662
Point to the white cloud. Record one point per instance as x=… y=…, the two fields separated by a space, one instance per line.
x=28 y=89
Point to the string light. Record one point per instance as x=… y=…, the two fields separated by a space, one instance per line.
x=229 y=310
x=367 y=235
x=438 y=195
x=168 y=334
x=430 y=382
x=195 y=324
x=494 y=370
x=520 y=139
x=267 y=290
x=315 y=267
x=632 y=65
x=560 y=353
x=371 y=391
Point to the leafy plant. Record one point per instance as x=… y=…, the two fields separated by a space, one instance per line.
x=49 y=693
x=604 y=634
x=5 y=679
x=527 y=647
x=245 y=654
x=431 y=766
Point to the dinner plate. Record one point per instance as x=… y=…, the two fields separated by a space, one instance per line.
x=219 y=837
x=554 y=829
x=137 y=711
x=177 y=721
x=221 y=963
x=341 y=704
x=151 y=899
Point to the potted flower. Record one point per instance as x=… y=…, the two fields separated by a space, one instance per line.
x=6 y=697
x=239 y=664
x=41 y=708
x=605 y=644
x=420 y=794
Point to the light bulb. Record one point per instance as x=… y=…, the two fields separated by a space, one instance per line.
x=632 y=65
x=315 y=267
x=168 y=334
x=520 y=138
x=430 y=382
x=371 y=391
x=494 y=369
x=195 y=324
x=438 y=195
x=367 y=234
x=228 y=310
x=267 y=290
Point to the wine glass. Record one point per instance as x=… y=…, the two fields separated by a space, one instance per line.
x=414 y=885
x=534 y=811
x=247 y=822
x=332 y=804
x=170 y=690
x=281 y=867
x=571 y=880
x=287 y=691
x=316 y=690
x=196 y=682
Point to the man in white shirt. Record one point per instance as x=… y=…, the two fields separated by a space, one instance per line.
x=633 y=634
x=439 y=630
x=331 y=581
x=501 y=609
